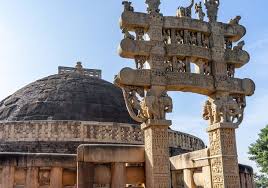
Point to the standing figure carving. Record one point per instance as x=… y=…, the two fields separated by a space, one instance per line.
x=199 y=11
x=185 y=11
x=212 y=9
x=153 y=6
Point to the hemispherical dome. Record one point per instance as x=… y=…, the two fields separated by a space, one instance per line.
x=70 y=96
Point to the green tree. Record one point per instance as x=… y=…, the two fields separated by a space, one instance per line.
x=259 y=153
x=261 y=181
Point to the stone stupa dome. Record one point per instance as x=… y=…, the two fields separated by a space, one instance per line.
x=68 y=95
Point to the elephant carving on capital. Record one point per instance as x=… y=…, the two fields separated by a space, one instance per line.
x=224 y=109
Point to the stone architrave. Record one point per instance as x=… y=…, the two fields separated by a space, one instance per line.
x=169 y=45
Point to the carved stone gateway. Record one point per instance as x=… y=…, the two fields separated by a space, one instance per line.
x=164 y=48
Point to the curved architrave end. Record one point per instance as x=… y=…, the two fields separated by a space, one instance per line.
x=130 y=109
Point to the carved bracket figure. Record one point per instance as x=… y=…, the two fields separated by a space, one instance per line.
x=235 y=21
x=239 y=46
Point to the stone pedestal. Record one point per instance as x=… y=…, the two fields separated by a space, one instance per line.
x=157 y=153
x=223 y=154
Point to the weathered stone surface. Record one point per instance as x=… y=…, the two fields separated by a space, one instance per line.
x=66 y=136
x=110 y=153
x=164 y=48
x=70 y=96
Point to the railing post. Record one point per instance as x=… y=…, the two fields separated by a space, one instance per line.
x=118 y=175
x=85 y=175
x=32 y=177
x=8 y=176
x=56 y=177
x=188 y=177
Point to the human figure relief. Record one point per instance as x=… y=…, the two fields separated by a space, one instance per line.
x=179 y=37
x=127 y=35
x=140 y=61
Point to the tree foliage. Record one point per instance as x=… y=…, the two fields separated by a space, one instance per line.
x=261 y=181
x=259 y=151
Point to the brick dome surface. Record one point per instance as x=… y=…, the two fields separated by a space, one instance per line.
x=69 y=96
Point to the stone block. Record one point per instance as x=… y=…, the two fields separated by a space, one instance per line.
x=110 y=153
x=194 y=159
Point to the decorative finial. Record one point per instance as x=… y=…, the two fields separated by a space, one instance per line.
x=212 y=9
x=79 y=67
x=153 y=6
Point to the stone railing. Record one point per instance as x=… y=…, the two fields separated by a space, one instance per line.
x=194 y=170
x=88 y=132
x=30 y=170
x=110 y=166
x=246 y=176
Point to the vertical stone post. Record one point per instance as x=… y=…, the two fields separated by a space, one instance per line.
x=188 y=178
x=56 y=177
x=157 y=153
x=32 y=177
x=223 y=153
x=85 y=175
x=8 y=173
x=118 y=175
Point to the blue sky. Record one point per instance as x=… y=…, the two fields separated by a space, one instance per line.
x=37 y=36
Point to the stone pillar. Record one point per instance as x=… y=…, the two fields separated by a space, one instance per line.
x=118 y=175
x=188 y=177
x=223 y=153
x=207 y=176
x=174 y=179
x=8 y=173
x=32 y=177
x=85 y=175
x=157 y=153
x=56 y=177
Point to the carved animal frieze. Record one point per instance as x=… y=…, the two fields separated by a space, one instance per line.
x=224 y=109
